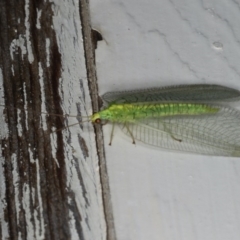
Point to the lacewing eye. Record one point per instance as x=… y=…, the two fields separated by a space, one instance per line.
x=98 y=120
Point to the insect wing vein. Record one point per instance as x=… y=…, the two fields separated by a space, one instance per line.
x=214 y=134
x=196 y=92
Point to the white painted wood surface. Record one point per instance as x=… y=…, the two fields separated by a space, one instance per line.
x=83 y=168
x=158 y=194
x=59 y=195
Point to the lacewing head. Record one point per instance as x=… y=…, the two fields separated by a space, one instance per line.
x=95 y=118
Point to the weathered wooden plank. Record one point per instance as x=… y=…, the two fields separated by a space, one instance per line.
x=91 y=70
x=50 y=184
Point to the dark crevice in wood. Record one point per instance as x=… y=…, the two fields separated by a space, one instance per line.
x=74 y=208
x=88 y=36
x=96 y=37
x=10 y=144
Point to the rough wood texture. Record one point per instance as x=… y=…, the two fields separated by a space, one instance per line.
x=90 y=58
x=44 y=192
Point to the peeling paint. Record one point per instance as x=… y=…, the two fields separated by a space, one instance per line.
x=28 y=216
x=69 y=40
x=43 y=100
x=39 y=220
x=12 y=68
x=39 y=14
x=28 y=33
x=3 y=224
x=47 y=51
x=31 y=158
x=19 y=125
x=15 y=175
x=18 y=43
x=54 y=147
x=4 y=127
x=33 y=203
x=38 y=211
x=25 y=105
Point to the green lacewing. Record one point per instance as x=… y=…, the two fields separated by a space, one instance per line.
x=190 y=118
